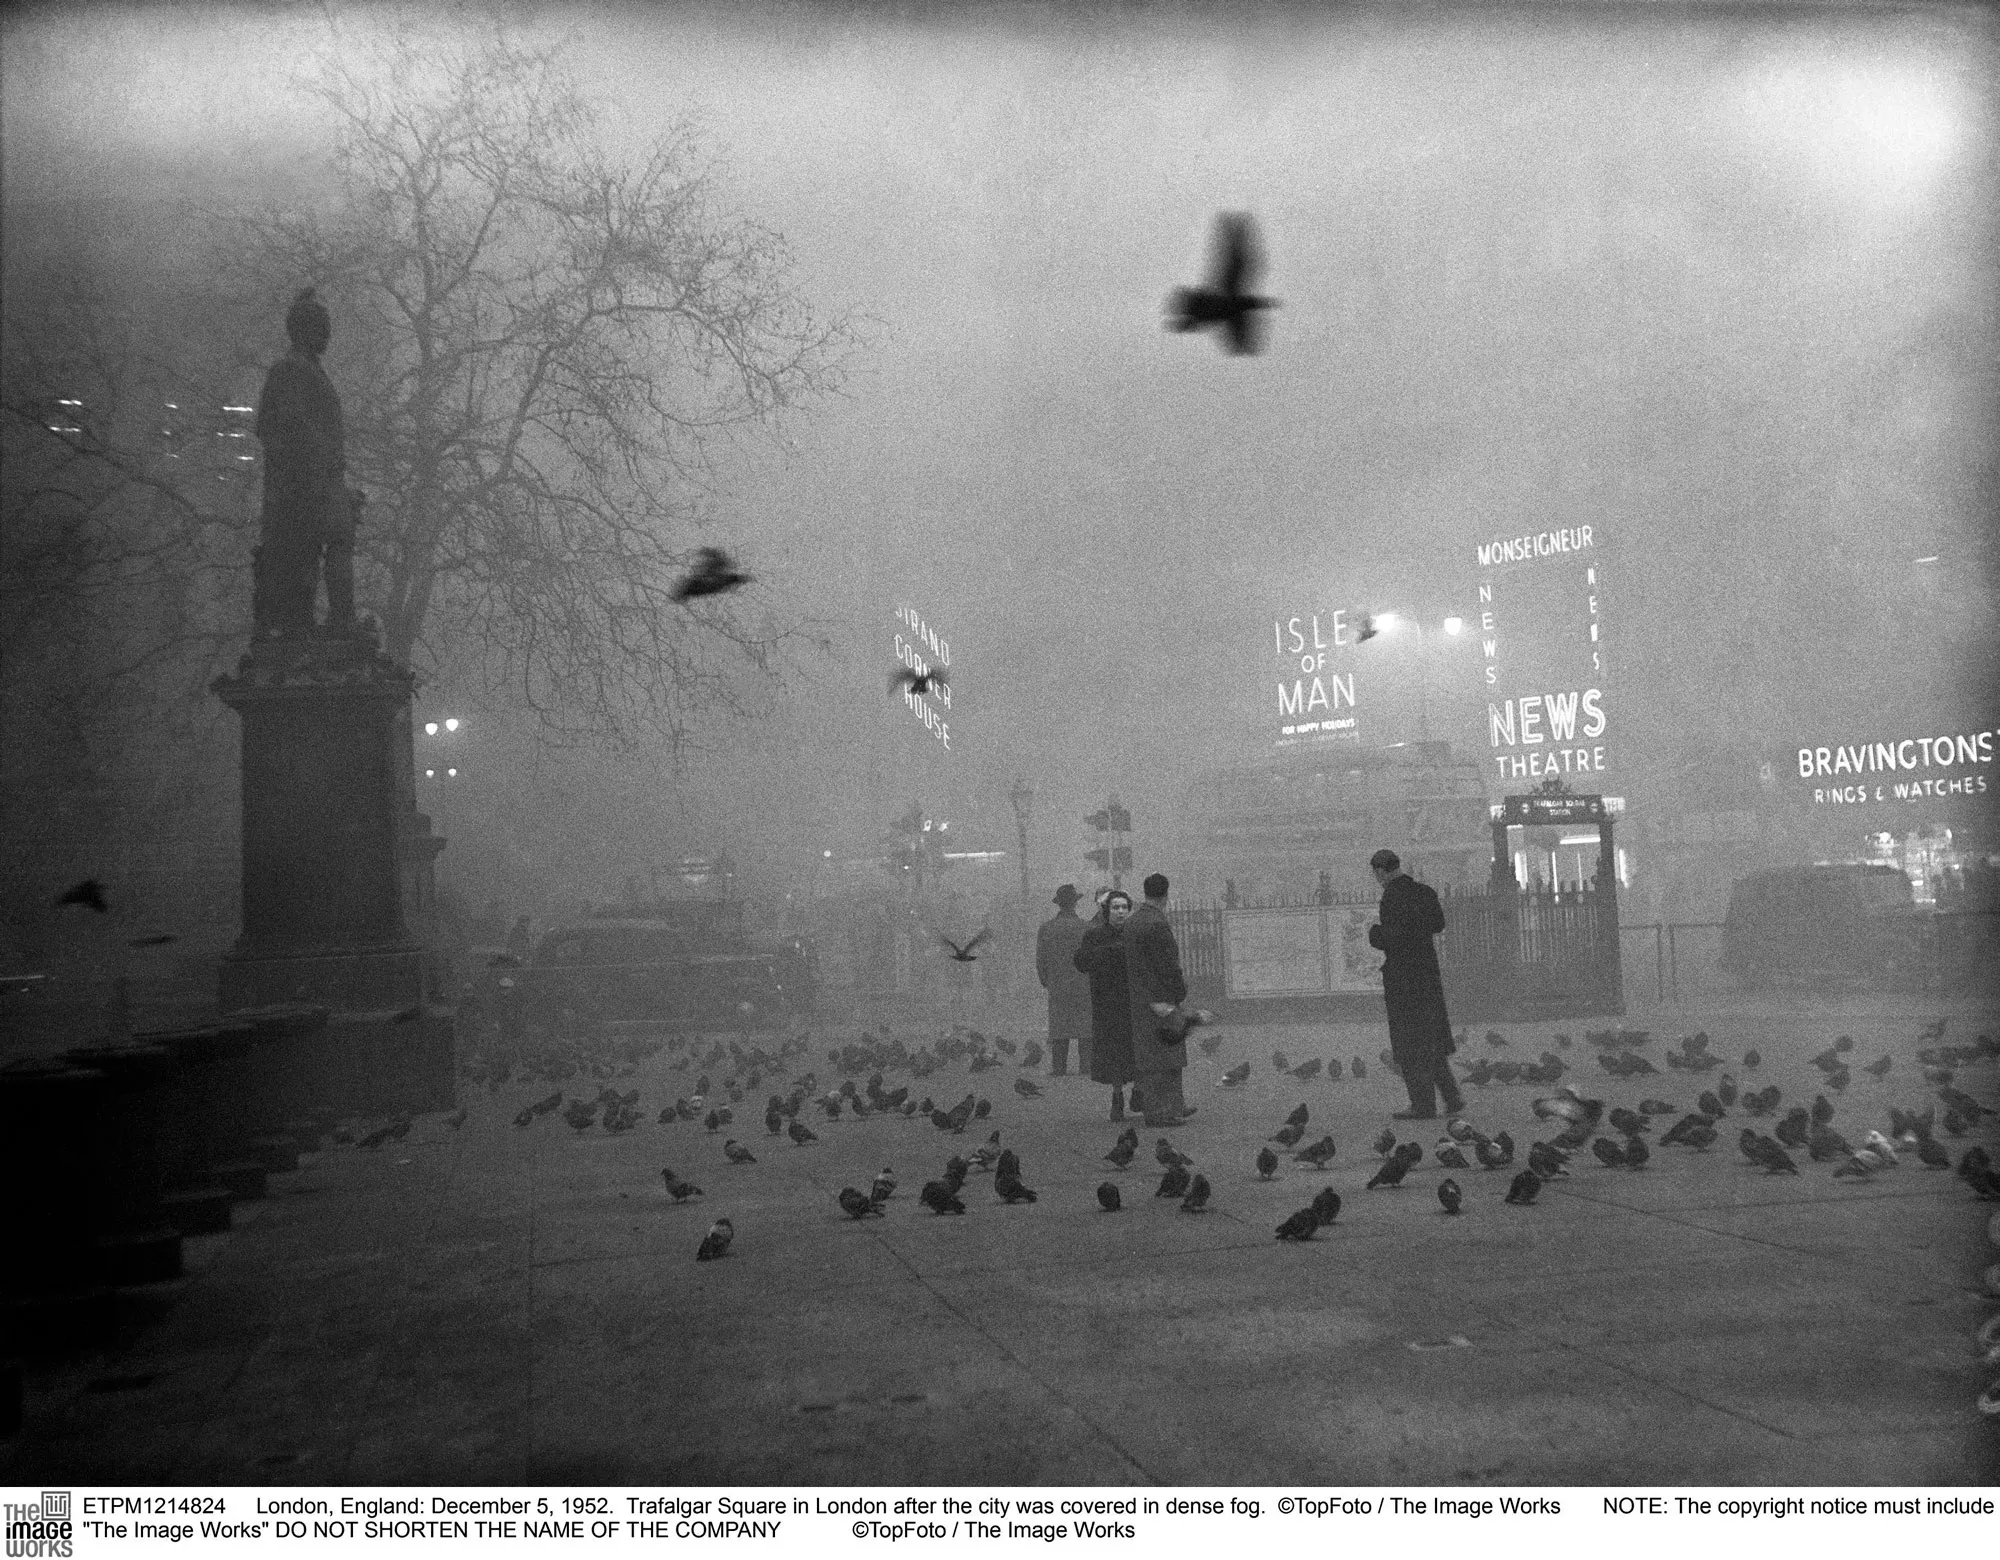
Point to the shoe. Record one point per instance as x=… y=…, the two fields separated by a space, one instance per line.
x=1454 y=1107
x=1136 y=1101
x=1413 y=1115
x=1165 y=1123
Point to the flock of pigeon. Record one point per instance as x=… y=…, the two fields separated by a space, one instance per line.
x=1617 y=1137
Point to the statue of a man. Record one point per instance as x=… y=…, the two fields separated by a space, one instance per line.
x=309 y=512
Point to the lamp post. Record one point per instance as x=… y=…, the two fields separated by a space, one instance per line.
x=1022 y=796
x=440 y=769
x=1453 y=626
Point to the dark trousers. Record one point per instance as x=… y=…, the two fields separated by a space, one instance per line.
x=1058 y=1057
x=1427 y=1075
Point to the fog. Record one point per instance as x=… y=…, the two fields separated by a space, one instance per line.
x=1716 y=282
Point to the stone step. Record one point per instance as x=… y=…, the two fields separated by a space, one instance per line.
x=197 y=1210
x=143 y=1256
x=247 y=1179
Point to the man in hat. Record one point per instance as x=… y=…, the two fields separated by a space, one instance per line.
x=1157 y=987
x=1068 y=987
x=309 y=512
x=1413 y=988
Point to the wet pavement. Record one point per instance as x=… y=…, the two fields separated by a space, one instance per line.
x=500 y=1305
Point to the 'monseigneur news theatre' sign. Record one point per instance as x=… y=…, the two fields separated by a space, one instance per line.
x=1542 y=642
x=1904 y=769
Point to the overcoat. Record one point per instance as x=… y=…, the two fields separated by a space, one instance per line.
x=1412 y=985
x=1055 y=965
x=1153 y=974
x=1101 y=955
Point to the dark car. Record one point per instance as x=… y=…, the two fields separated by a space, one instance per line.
x=618 y=970
x=1852 y=924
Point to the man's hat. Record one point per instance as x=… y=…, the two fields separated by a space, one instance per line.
x=1385 y=861
x=1067 y=895
x=307 y=321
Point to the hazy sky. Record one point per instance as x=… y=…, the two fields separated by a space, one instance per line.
x=1716 y=279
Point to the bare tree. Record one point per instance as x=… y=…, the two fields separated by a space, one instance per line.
x=538 y=347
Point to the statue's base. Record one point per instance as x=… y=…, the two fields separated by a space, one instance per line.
x=391 y=975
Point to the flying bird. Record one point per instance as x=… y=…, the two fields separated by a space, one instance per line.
x=89 y=893
x=712 y=574
x=907 y=677
x=965 y=955
x=1226 y=299
x=1449 y=1195
x=716 y=1242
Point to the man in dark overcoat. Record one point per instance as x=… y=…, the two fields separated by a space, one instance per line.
x=1068 y=987
x=1413 y=988
x=1153 y=975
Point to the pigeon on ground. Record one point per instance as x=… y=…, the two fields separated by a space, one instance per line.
x=1300 y=1115
x=858 y=1204
x=1449 y=1195
x=1451 y=1156
x=1197 y=1195
x=1267 y=1163
x=1209 y=1044
x=716 y=1242
x=1175 y=1182
x=1879 y=1068
x=1326 y=1205
x=1752 y=1059
x=1300 y=1226
x=940 y=1198
x=712 y=574
x=1286 y=1137
x=1167 y=1154
x=1305 y=1072
x=1608 y=1153
x=884 y=1187
x=1107 y=1197
x=525 y=1116
x=1636 y=1153
x=678 y=1189
x=1010 y=1188
x=1236 y=1077
x=1121 y=1153
x=89 y=893
x=1026 y=1089
x=737 y=1153
x=801 y=1134
x=1317 y=1154
x=1385 y=1144
x=1524 y=1189
x=1280 y=1062
x=1391 y=1173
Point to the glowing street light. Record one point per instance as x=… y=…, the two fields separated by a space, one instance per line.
x=1454 y=626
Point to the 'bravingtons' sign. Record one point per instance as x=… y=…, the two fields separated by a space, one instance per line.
x=1906 y=769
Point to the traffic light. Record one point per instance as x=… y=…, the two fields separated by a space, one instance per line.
x=1120 y=819
x=1100 y=820
x=1121 y=859
x=1100 y=859
x=1110 y=858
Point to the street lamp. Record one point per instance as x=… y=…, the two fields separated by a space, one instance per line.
x=1022 y=796
x=1386 y=622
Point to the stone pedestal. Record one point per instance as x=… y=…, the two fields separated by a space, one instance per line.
x=324 y=744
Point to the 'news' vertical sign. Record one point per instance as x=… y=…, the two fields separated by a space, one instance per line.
x=1542 y=655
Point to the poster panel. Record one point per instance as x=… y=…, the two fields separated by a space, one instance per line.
x=1305 y=951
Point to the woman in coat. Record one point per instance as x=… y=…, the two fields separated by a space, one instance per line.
x=1101 y=956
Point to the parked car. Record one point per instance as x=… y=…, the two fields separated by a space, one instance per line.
x=625 y=969
x=1850 y=923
